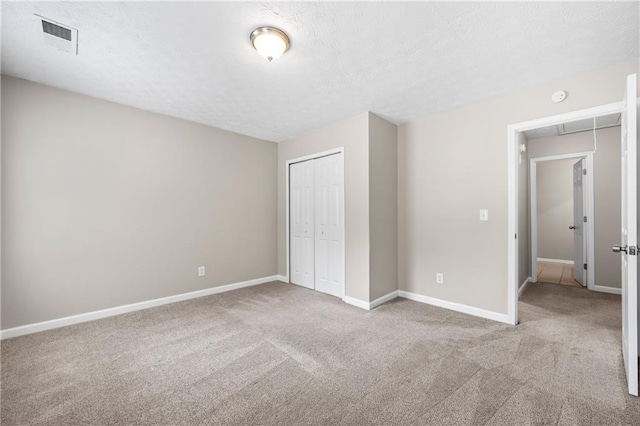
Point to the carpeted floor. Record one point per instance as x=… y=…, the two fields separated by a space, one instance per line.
x=281 y=354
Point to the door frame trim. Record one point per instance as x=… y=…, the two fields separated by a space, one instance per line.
x=512 y=189
x=333 y=151
x=533 y=206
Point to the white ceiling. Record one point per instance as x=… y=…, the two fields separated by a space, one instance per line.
x=398 y=60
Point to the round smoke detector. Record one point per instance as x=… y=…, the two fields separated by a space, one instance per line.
x=559 y=96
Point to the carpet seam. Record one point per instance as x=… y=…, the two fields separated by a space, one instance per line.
x=505 y=401
x=451 y=393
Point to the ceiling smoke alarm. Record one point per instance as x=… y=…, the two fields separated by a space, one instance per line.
x=559 y=96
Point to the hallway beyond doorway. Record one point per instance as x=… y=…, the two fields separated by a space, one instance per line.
x=557 y=273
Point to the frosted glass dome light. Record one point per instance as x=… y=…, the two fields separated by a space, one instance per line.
x=270 y=42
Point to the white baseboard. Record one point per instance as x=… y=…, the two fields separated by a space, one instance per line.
x=523 y=286
x=109 y=312
x=370 y=305
x=465 y=309
x=566 y=262
x=605 y=289
x=282 y=278
x=384 y=299
x=356 y=302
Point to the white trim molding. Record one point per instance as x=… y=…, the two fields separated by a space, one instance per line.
x=458 y=307
x=384 y=299
x=118 y=310
x=356 y=302
x=605 y=289
x=282 y=278
x=566 y=262
x=523 y=286
x=370 y=305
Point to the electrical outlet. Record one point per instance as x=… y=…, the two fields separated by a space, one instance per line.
x=439 y=278
x=201 y=271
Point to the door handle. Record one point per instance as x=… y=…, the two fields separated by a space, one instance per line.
x=572 y=227
x=630 y=250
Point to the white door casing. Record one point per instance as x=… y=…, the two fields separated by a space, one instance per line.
x=629 y=235
x=329 y=224
x=579 y=240
x=301 y=214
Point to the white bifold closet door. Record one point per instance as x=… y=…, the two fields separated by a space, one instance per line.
x=329 y=212
x=302 y=224
x=317 y=224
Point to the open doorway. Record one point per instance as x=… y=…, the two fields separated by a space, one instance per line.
x=519 y=248
x=561 y=199
x=574 y=203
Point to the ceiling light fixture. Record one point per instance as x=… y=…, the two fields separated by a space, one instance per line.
x=270 y=42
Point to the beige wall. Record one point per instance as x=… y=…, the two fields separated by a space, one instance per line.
x=524 y=230
x=607 y=190
x=105 y=205
x=353 y=135
x=554 y=187
x=383 y=206
x=452 y=164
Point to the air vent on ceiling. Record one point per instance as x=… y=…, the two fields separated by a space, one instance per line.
x=56 y=30
x=585 y=125
x=60 y=36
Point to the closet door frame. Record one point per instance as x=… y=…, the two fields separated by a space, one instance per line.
x=339 y=150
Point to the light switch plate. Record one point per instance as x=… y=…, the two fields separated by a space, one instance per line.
x=484 y=215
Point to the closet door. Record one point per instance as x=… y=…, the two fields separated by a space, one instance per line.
x=302 y=223
x=329 y=225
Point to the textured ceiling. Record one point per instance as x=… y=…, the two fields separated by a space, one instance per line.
x=398 y=60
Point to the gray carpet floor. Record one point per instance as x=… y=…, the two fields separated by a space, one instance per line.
x=281 y=354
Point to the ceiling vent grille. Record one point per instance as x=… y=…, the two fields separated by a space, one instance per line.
x=56 y=30
x=60 y=36
x=586 y=125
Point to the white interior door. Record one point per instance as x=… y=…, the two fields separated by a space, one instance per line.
x=329 y=225
x=628 y=247
x=301 y=218
x=579 y=226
